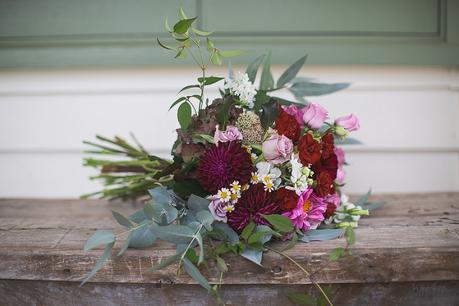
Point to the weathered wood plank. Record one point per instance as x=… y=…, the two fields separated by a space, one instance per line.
x=414 y=238
x=107 y=294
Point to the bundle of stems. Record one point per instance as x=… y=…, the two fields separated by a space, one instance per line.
x=129 y=171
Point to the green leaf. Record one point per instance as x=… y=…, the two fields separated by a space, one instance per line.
x=201 y=32
x=165 y=46
x=233 y=237
x=210 y=45
x=305 y=88
x=177 y=102
x=301 y=299
x=165 y=262
x=223 y=111
x=144 y=236
x=347 y=141
x=266 y=81
x=252 y=254
x=364 y=199
x=322 y=234
x=175 y=233
x=182 y=13
x=336 y=254
x=350 y=235
x=208 y=138
x=148 y=211
x=191 y=269
x=122 y=220
x=291 y=72
x=269 y=114
x=209 y=80
x=184 y=115
x=221 y=264
x=197 y=204
x=187 y=87
x=230 y=53
x=125 y=245
x=281 y=223
x=98 y=238
x=100 y=263
x=205 y=218
x=166 y=26
x=248 y=230
x=181 y=53
x=253 y=68
x=257 y=236
x=216 y=59
x=183 y=25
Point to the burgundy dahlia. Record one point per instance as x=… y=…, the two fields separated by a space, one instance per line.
x=221 y=165
x=253 y=203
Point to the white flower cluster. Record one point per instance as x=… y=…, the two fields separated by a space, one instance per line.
x=348 y=214
x=267 y=174
x=230 y=196
x=301 y=177
x=241 y=86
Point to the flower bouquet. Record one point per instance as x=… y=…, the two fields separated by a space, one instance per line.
x=248 y=169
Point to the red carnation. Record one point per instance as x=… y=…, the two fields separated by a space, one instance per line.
x=286 y=198
x=331 y=208
x=324 y=185
x=309 y=150
x=287 y=125
x=327 y=145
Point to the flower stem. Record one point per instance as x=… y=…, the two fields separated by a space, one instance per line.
x=305 y=272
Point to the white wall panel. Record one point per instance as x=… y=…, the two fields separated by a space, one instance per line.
x=409 y=119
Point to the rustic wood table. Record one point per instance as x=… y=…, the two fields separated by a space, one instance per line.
x=407 y=253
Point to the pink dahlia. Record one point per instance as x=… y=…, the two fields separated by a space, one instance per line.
x=309 y=211
x=220 y=166
x=253 y=203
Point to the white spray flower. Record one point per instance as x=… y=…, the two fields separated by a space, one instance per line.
x=241 y=86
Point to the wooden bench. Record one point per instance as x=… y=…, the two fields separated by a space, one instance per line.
x=406 y=254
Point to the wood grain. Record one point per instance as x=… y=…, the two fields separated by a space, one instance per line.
x=412 y=241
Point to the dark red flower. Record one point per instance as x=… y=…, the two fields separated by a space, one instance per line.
x=286 y=198
x=330 y=210
x=309 y=150
x=220 y=165
x=253 y=203
x=327 y=145
x=287 y=125
x=324 y=184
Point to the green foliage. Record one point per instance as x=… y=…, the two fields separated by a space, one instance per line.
x=266 y=81
x=322 y=234
x=193 y=271
x=210 y=80
x=350 y=235
x=280 y=223
x=184 y=115
x=337 y=253
x=122 y=220
x=252 y=69
x=100 y=262
x=291 y=72
x=302 y=87
x=165 y=263
x=99 y=238
x=143 y=236
x=301 y=299
x=183 y=25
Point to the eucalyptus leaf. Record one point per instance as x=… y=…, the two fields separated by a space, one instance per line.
x=306 y=88
x=144 y=236
x=232 y=236
x=197 y=204
x=321 y=234
x=100 y=262
x=205 y=218
x=252 y=69
x=184 y=115
x=266 y=81
x=125 y=245
x=291 y=72
x=193 y=271
x=175 y=233
x=122 y=220
x=183 y=25
x=165 y=262
x=363 y=199
x=347 y=141
x=138 y=216
x=98 y=238
x=252 y=255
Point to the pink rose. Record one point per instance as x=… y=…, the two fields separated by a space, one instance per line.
x=231 y=134
x=277 y=149
x=296 y=112
x=340 y=155
x=350 y=122
x=217 y=209
x=314 y=115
